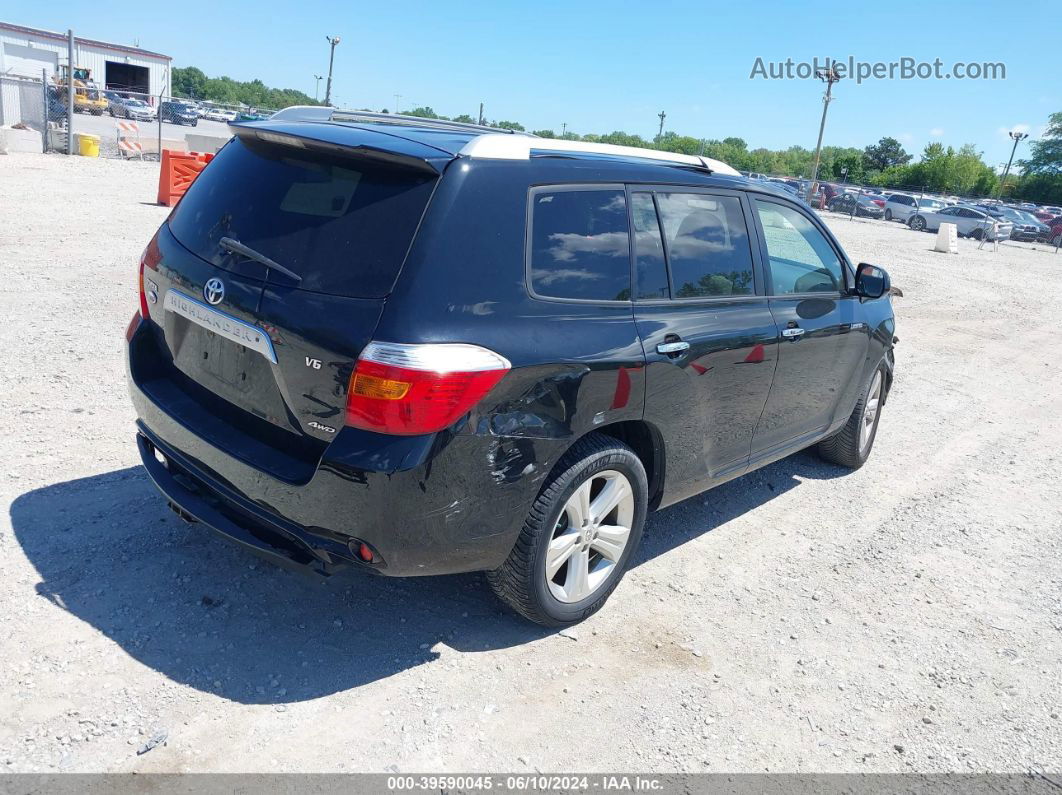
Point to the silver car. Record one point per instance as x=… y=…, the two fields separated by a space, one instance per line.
x=969 y=222
x=901 y=206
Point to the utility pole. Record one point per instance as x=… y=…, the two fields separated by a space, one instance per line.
x=829 y=76
x=1018 y=137
x=317 y=86
x=333 y=40
x=662 y=116
x=564 y=128
x=70 y=92
x=398 y=99
x=481 y=113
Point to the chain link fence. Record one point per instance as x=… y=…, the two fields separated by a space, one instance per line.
x=114 y=123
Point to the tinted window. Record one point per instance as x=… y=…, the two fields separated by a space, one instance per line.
x=342 y=225
x=801 y=259
x=580 y=246
x=651 y=271
x=707 y=245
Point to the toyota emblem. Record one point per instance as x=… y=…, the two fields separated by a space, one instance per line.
x=214 y=291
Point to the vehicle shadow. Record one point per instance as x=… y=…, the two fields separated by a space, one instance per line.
x=203 y=612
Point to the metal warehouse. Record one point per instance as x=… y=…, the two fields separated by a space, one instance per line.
x=24 y=52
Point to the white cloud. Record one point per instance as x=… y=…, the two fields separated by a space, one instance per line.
x=936 y=132
x=906 y=137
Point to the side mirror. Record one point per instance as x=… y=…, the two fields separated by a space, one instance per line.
x=871 y=281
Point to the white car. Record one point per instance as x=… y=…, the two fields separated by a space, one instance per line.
x=220 y=114
x=969 y=222
x=901 y=206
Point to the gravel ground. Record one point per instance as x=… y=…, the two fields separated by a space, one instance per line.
x=906 y=617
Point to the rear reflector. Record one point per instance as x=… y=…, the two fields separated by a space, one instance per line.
x=412 y=389
x=149 y=259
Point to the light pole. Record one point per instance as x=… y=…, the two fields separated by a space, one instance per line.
x=1018 y=137
x=398 y=98
x=317 y=86
x=829 y=76
x=333 y=40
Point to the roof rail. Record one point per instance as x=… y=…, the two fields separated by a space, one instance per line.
x=324 y=113
x=520 y=147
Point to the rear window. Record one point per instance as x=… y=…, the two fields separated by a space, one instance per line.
x=343 y=225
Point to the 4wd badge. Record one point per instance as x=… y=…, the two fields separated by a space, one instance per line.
x=318 y=426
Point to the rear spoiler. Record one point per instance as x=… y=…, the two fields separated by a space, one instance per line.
x=347 y=142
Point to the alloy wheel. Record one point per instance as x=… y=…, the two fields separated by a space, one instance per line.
x=870 y=412
x=590 y=536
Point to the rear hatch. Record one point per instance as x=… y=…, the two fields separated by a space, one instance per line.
x=267 y=331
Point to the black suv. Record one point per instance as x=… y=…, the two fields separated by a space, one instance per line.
x=423 y=348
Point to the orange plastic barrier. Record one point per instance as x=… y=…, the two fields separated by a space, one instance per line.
x=179 y=170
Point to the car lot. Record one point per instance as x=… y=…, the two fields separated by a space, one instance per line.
x=907 y=616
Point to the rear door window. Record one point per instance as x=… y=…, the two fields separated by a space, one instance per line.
x=707 y=245
x=580 y=244
x=343 y=225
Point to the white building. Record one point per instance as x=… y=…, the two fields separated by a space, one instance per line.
x=24 y=52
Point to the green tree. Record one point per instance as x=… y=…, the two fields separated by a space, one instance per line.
x=509 y=125
x=886 y=152
x=465 y=119
x=425 y=112
x=1046 y=153
x=189 y=81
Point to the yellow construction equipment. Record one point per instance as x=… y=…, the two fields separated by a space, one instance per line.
x=87 y=95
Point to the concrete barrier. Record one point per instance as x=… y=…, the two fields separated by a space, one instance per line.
x=12 y=140
x=947 y=239
x=150 y=144
x=206 y=144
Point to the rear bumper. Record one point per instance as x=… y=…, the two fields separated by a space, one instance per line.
x=424 y=505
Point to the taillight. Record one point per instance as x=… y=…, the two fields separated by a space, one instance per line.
x=412 y=389
x=149 y=259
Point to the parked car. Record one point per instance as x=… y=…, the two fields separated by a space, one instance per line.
x=864 y=206
x=220 y=114
x=515 y=401
x=900 y=206
x=969 y=222
x=178 y=113
x=1025 y=225
x=137 y=110
x=251 y=115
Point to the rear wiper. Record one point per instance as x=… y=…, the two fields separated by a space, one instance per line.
x=236 y=247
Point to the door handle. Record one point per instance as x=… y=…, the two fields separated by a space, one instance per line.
x=671 y=348
x=793 y=333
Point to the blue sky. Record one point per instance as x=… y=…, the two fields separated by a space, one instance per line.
x=606 y=66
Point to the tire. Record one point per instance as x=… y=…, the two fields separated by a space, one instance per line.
x=977 y=233
x=917 y=223
x=598 y=463
x=850 y=447
x=888 y=215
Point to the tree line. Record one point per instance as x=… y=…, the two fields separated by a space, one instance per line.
x=939 y=168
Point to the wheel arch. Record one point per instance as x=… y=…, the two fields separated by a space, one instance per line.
x=647 y=443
